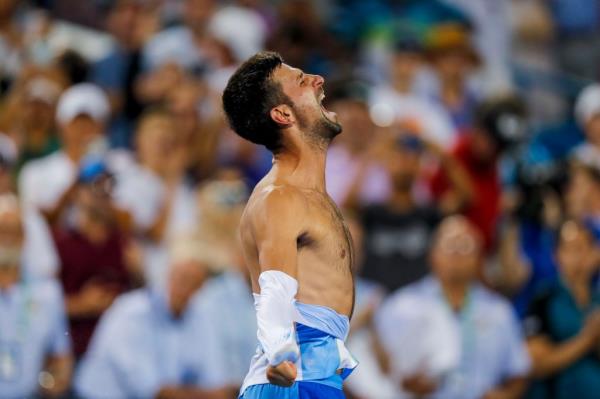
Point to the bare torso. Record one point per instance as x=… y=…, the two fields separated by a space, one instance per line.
x=322 y=242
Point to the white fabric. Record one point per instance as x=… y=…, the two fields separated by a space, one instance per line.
x=241 y=28
x=420 y=336
x=275 y=315
x=429 y=116
x=41 y=184
x=142 y=194
x=83 y=98
x=588 y=104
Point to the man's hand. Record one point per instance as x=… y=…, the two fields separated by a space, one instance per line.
x=284 y=374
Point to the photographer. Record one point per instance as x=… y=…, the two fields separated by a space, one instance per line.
x=92 y=252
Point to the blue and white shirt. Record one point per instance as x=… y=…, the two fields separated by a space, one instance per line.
x=138 y=348
x=492 y=348
x=32 y=327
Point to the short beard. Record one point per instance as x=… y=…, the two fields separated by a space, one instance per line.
x=321 y=132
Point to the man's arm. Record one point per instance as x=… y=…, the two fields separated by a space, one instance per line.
x=276 y=222
x=513 y=388
x=60 y=368
x=462 y=191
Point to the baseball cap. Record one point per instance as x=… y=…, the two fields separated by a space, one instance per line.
x=82 y=99
x=588 y=103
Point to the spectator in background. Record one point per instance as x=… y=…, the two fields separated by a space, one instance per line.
x=493 y=360
x=499 y=124
x=369 y=380
x=45 y=183
x=398 y=103
x=587 y=113
x=193 y=106
x=35 y=351
x=227 y=297
x=183 y=45
x=157 y=343
x=117 y=71
x=348 y=158
x=563 y=324
x=154 y=191
x=91 y=251
x=28 y=117
x=11 y=44
x=8 y=159
x=453 y=59
x=398 y=231
x=583 y=196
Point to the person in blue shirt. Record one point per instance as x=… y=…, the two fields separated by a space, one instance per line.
x=159 y=343
x=563 y=322
x=492 y=360
x=35 y=349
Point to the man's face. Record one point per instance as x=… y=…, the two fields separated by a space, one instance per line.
x=185 y=278
x=405 y=65
x=80 y=132
x=155 y=139
x=577 y=252
x=403 y=165
x=456 y=251
x=592 y=130
x=306 y=93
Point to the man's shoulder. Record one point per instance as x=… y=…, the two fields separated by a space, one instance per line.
x=42 y=164
x=274 y=199
x=130 y=307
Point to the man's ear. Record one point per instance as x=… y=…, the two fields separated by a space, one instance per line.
x=283 y=115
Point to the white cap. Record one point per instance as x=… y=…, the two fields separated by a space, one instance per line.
x=82 y=98
x=588 y=104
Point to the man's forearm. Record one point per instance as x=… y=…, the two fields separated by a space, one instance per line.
x=513 y=388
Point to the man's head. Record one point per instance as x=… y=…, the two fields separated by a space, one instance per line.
x=11 y=239
x=456 y=251
x=452 y=53
x=587 y=112
x=405 y=61
x=577 y=252
x=94 y=195
x=191 y=261
x=404 y=160
x=81 y=113
x=155 y=138
x=268 y=102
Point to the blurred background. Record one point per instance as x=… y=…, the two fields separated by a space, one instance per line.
x=468 y=173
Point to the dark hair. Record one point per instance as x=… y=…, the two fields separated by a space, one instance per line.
x=249 y=97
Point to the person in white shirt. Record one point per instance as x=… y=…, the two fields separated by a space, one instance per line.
x=44 y=183
x=155 y=193
x=449 y=337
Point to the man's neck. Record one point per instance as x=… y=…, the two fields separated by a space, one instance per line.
x=455 y=293
x=302 y=163
x=401 y=201
x=95 y=232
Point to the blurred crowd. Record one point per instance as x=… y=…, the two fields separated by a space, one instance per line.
x=468 y=173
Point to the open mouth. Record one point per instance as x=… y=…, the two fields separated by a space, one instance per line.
x=332 y=116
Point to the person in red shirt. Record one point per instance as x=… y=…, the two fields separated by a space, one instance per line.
x=499 y=124
x=92 y=251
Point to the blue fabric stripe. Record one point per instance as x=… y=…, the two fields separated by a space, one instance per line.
x=318 y=353
x=300 y=390
x=325 y=319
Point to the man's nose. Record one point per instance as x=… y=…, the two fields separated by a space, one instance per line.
x=318 y=81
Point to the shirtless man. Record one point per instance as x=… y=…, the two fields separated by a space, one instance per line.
x=295 y=242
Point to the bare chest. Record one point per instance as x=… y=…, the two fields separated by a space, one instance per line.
x=325 y=235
